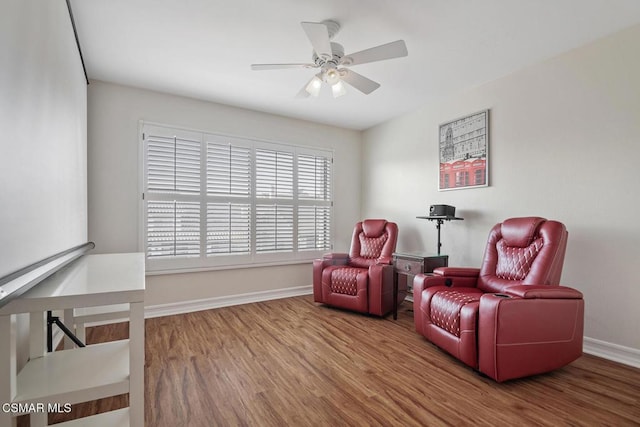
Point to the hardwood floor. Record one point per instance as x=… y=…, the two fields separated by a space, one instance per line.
x=291 y=362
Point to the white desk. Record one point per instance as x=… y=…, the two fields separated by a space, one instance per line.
x=83 y=374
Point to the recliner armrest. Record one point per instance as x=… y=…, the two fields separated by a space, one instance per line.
x=334 y=258
x=384 y=260
x=335 y=255
x=457 y=271
x=455 y=277
x=523 y=332
x=424 y=281
x=543 y=292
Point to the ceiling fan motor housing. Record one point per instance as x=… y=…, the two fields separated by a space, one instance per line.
x=338 y=52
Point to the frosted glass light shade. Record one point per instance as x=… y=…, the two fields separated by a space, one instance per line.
x=338 y=89
x=313 y=87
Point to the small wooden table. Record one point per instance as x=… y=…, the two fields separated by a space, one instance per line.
x=406 y=265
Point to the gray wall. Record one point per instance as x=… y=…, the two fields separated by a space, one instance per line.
x=564 y=144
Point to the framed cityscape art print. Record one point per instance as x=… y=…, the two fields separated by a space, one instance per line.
x=464 y=152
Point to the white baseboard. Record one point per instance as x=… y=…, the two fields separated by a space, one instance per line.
x=226 y=301
x=614 y=352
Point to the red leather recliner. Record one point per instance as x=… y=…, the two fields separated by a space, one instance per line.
x=361 y=280
x=510 y=318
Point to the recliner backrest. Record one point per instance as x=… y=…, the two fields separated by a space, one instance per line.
x=528 y=250
x=372 y=239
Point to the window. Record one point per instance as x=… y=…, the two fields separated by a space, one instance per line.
x=211 y=200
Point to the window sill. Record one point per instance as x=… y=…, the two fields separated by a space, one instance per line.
x=158 y=272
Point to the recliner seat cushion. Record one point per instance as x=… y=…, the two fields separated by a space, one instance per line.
x=446 y=306
x=345 y=280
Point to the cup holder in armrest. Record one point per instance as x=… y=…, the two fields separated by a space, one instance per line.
x=502 y=295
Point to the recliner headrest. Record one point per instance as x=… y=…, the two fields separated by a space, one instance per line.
x=520 y=232
x=373 y=227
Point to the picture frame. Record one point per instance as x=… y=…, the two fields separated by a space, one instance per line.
x=463 y=147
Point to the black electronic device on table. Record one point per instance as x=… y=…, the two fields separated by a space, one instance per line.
x=441 y=213
x=442 y=210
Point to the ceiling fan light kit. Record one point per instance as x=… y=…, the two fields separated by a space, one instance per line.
x=313 y=87
x=329 y=56
x=338 y=89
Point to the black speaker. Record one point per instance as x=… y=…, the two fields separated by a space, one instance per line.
x=442 y=210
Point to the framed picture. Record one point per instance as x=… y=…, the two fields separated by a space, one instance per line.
x=464 y=152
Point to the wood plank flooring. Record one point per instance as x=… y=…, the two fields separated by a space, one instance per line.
x=291 y=362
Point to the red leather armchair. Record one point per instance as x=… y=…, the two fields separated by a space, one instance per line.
x=509 y=318
x=361 y=280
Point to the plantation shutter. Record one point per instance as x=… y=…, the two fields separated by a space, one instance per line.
x=274 y=174
x=314 y=228
x=173 y=165
x=173 y=229
x=274 y=228
x=314 y=193
x=274 y=220
x=228 y=228
x=229 y=183
x=314 y=177
x=172 y=178
x=212 y=200
x=228 y=170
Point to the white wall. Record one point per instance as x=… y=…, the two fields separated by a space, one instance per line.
x=43 y=147
x=114 y=113
x=43 y=165
x=564 y=144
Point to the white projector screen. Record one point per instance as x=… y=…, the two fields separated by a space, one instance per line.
x=43 y=131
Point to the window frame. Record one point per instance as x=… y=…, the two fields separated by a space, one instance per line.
x=205 y=262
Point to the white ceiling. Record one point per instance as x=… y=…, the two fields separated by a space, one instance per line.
x=203 y=48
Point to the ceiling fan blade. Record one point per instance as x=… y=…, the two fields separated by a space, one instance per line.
x=318 y=35
x=394 y=49
x=358 y=81
x=259 y=67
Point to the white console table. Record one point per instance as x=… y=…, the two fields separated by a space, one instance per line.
x=81 y=374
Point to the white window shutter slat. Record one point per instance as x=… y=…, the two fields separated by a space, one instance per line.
x=274 y=174
x=274 y=228
x=228 y=228
x=314 y=228
x=314 y=177
x=173 y=229
x=173 y=165
x=228 y=170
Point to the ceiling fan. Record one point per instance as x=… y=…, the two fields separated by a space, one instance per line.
x=329 y=57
